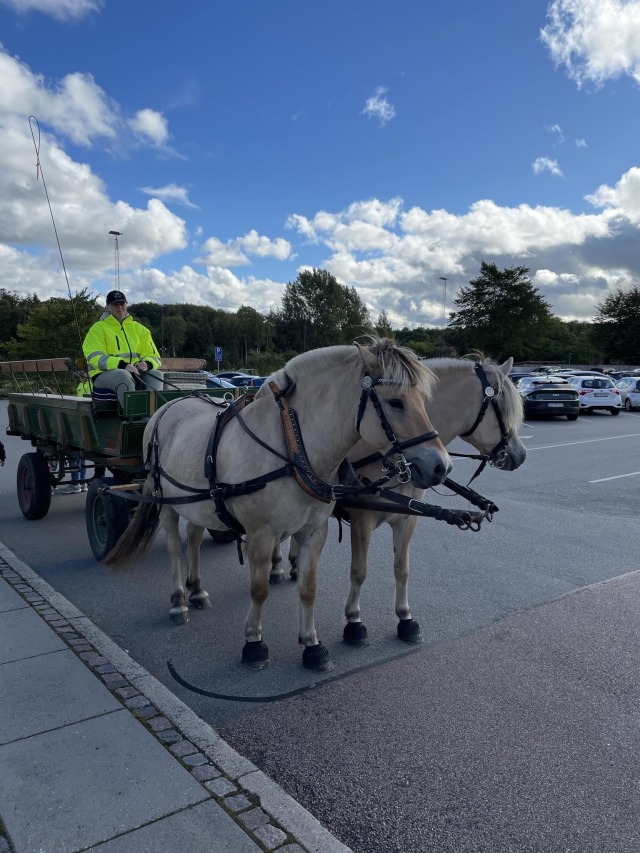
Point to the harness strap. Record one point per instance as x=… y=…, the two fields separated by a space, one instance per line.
x=304 y=474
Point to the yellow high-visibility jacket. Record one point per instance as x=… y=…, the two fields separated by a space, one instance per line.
x=84 y=389
x=110 y=344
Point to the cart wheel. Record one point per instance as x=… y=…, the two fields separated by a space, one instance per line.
x=33 y=485
x=222 y=537
x=107 y=517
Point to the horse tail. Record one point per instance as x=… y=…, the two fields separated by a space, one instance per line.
x=136 y=539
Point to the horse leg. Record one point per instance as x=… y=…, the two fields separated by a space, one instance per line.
x=293 y=560
x=362 y=525
x=403 y=529
x=258 y=551
x=198 y=597
x=276 y=575
x=315 y=655
x=170 y=519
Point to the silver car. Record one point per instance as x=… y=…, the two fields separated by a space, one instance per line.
x=629 y=388
x=596 y=392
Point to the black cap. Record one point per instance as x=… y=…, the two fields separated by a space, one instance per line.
x=115 y=296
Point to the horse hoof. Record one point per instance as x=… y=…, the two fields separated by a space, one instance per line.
x=293 y=575
x=255 y=655
x=355 y=634
x=200 y=601
x=317 y=658
x=276 y=579
x=179 y=615
x=409 y=631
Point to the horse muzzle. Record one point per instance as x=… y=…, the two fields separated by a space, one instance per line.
x=430 y=467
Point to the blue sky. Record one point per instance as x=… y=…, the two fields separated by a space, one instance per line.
x=392 y=144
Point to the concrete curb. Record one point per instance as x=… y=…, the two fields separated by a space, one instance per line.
x=286 y=812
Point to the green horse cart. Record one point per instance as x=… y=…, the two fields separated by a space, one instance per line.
x=61 y=426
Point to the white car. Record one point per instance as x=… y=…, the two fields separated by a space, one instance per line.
x=597 y=392
x=629 y=387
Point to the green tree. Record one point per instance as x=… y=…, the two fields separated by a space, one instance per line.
x=502 y=313
x=383 y=326
x=14 y=310
x=55 y=328
x=617 y=326
x=317 y=311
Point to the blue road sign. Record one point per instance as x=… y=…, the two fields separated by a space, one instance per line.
x=218 y=353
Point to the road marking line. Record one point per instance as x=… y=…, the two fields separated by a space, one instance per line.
x=584 y=441
x=618 y=477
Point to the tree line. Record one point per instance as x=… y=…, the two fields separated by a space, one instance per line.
x=499 y=313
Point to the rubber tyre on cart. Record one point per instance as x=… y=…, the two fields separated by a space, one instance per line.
x=106 y=516
x=222 y=537
x=33 y=485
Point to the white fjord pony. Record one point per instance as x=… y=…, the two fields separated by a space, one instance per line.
x=341 y=394
x=473 y=399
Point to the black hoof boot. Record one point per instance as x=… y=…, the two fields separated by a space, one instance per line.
x=409 y=631
x=200 y=601
x=317 y=658
x=355 y=634
x=179 y=615
x=277 y=579
x=256 y=655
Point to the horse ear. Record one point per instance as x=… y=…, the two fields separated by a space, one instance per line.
x=369 y=359
x=506 y=367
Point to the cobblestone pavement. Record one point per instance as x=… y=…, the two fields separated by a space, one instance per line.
x=271 y=819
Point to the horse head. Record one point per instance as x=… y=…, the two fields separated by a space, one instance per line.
x=478 y=402
x=392 y=413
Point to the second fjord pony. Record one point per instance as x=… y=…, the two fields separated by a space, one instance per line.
x=340 y=394
x=473 y=399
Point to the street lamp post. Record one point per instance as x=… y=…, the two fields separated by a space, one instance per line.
x=443 y=279
x=444 y=302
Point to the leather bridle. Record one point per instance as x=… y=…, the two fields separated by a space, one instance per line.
x=498 y=456
x=402 y=467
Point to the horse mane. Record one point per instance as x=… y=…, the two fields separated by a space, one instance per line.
x=507 y=393
x=398 y=365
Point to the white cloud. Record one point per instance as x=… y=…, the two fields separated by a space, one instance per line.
x=546 y=164
x=580 y=143
x=236 y=252
x=218 y=287
x=169 y=193
x=62 y=10
x=595 y=40
x=555 y=128
x=624 y=197
x=151 y=126
x=378 y=107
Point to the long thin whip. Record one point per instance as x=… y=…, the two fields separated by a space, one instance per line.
x=40 y=174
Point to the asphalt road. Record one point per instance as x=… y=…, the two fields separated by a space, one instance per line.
x=513 y=728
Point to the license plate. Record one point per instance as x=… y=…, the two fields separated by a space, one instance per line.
x=556 y=405
x=601 y=394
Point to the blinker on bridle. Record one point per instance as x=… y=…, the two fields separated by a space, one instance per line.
x=402 y=467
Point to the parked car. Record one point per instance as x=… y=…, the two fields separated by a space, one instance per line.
x=629 y=388
x=622 y=374
x=515 y=376
x=597 y=392
x=548 y=395
x=236 y=378
x=213 y=381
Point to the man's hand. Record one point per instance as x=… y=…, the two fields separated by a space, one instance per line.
x=131 y=368
x=142 y=366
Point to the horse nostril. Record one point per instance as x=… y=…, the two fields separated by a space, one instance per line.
x=442 y=469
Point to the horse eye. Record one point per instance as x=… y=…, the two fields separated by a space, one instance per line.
x=396 y=404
